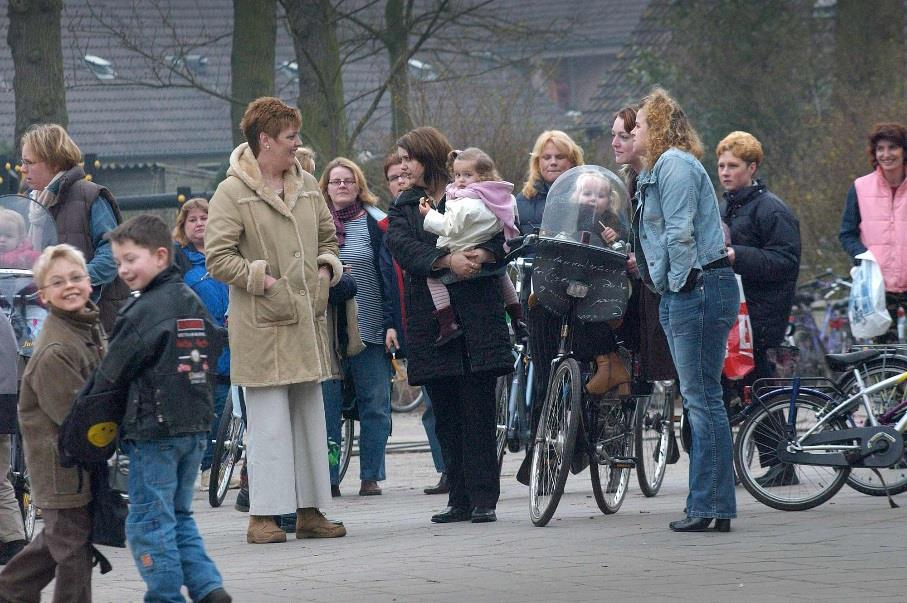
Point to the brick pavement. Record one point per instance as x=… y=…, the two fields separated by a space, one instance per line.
x=852 y=548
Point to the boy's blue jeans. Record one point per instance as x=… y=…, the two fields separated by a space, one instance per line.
x=697 y=323
x=160 y=530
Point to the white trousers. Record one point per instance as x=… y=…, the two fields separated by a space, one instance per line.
x=287 y=450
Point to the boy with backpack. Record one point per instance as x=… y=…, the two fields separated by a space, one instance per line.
x=162 y=357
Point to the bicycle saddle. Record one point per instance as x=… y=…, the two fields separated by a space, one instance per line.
x=841 y=362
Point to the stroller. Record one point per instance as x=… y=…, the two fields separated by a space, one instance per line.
x=25 y=230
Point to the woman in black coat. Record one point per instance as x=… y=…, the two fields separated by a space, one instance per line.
x=460 y=375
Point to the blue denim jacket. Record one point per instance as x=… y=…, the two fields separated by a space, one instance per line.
x=680 y=225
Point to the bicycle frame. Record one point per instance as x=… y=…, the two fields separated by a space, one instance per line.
x=839 y=409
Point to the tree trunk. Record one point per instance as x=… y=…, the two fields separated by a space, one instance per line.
x=396 y=41
x=252 y=60
x=34 y=39
x=313 y=25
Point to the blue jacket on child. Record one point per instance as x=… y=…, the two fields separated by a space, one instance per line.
x=213 y=293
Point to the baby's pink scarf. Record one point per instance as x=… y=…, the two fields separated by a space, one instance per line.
x=496 y=195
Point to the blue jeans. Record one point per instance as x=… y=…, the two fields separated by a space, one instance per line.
x=370 y=371
x=220 y=398
x=428 y=422
x=697 y=324
x=160 y=530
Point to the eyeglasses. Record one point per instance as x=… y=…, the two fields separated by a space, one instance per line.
x=343 y=182
x=59 y=283
x=29 y=163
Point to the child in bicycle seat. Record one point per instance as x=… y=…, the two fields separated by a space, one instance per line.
x=69 y=347
x=478 y=206
x=16 y=250
x=594 y=191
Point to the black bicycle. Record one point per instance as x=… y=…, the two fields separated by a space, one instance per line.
x=514 y=391
x=580 y=275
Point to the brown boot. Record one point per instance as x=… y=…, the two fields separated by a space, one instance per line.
x=264 y=530
x=311 y=523
x=448 y=329
x=599 y=383
x=620 y=378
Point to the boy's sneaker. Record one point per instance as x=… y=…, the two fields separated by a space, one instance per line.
x=218 y=595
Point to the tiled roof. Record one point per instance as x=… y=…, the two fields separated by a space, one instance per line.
x=123 y=121
x=617 y=88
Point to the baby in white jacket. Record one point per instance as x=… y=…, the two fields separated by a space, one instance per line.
x=478 y=206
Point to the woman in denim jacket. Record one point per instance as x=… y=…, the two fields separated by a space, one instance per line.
x=681 y=255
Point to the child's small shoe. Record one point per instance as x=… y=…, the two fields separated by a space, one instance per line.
x=448 y=329
x=520 y=331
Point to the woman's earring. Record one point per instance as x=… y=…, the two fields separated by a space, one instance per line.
x=268 y=147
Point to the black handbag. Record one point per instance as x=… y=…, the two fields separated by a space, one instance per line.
x=108 y=510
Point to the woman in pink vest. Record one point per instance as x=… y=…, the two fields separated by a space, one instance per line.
x=875 y=215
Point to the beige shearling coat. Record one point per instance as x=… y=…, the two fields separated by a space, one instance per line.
x=279 y=336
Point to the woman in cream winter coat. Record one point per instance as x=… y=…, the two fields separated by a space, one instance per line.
x=271 y=237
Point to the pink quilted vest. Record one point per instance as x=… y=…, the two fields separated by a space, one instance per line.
x=883 y=227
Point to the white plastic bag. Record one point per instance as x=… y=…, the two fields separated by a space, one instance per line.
x=866 y=309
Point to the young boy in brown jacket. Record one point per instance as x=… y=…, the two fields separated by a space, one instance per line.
x=69 y=347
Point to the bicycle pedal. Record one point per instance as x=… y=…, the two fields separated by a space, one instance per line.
x=623 y=463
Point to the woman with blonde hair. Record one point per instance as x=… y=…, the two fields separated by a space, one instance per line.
x=553 y=154
x=680 y=253
x=83 y=211
x=360 y=229
x=271 y=238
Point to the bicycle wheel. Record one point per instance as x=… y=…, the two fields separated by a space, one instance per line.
x=653 y=426
x=404 y=397
x=347 y=436
x=26 y=506
x=614 y=437
x=788 y=487
x=555 y=438
x=865 y=480
x=502 y=412
x=228 y=449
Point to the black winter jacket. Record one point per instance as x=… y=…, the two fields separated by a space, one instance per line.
x=765 y=236
x=529 y=211
x=478 y=303
x=163 y=351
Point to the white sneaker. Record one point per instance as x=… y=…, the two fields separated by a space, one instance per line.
x=205 y=481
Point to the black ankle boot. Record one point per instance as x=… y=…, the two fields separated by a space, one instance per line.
x=700 y=524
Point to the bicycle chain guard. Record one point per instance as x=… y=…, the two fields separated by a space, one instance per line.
x=880 y=446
